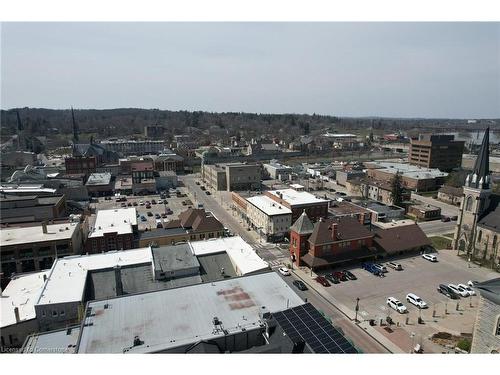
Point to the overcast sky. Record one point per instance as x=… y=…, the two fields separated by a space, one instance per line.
x=347 y=69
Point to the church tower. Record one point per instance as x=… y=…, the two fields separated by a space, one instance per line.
x=299 y=234
x=476 y=199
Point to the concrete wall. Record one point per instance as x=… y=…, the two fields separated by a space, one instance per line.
x=484 y=339
x=58 y=315
x=13 y=336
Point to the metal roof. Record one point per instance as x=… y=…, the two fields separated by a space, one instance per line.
x=177 y=317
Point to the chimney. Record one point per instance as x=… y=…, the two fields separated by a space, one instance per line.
x=334 y=230
x=16 y=313
x=118 y=280
x=44 y=226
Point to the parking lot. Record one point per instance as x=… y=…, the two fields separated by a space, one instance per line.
x=174 y=203
x=420 y=277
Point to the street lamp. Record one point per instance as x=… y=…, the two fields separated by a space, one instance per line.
x=356 y=309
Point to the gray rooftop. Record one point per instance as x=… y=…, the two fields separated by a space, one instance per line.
x=62 y=341
x=174 y=258
x=179 y=317
x=96 y=179
x=212 y=265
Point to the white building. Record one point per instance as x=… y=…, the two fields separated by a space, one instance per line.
x=18 y=319
x=278 y=171
x=268 y=217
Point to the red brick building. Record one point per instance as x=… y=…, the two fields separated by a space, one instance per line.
x=81 y=165
x=329 y=242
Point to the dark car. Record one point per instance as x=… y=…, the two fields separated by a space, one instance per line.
x=349 y=275
x=445 y=219
x=322 y=281
x=445 y=289
x=300 y=285
x=153 y=201
x=150 y=213
x=340 y=275
x=202 y=188
x=157 y=216
x=134 y=204
x=332 y=278
x=208 y=193
x=197 y=182
x=454 y=218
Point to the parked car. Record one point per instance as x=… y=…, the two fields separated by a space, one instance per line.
x=202 y=188
x=372 y=269
x=471 y=283
x=123 y=204
x=340 y=275
x=430 y=257
x=134 y=204
x=349 y=275
x=456 y=289
x=416 y=300
x=129 y=204
x=300 y=285
x=197 y=182
x=330 y=277
x=149 y=213
x=395 y=266
x=454 y=218
x=141 y=203
x=380 y=267
x=157 y=215
x=467 y=288
x=160 y=201
x=163 y=215
x=143 y=218
x=153 y=201
x=208 y=193
x=284 y=271
x=396 y=304
x=445 y=219
x=322 y=281
x=444 y=289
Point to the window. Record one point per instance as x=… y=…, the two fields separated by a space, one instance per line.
x=494 y=240
x=497 y=328
x=468 y=203
x=479 y=236
x=62 y=313
x=43 y=314
x=54 y=313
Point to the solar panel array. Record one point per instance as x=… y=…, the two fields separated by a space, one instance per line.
x=305 y=323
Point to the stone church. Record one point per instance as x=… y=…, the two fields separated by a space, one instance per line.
x=478 y=227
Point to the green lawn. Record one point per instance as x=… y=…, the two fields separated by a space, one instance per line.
x=440 y=242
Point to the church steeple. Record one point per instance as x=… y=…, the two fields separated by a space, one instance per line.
x=480 y=176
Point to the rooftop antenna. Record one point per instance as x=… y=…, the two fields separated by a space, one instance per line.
x=76 y=130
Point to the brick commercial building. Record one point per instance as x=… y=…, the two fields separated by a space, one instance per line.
x=436 y=151
x=424 y=212
x=113 y=230
x=451 y=195
x=100 y=184
x=329 y=242
x=34 y=248
x=298 y=201
x=169 y=161
x=349 y=209
x=377 y=190
x=413 y=177
x=232 y=176
x=31 y=208
x=268 y=218
x=85 y=165
x=192 y=225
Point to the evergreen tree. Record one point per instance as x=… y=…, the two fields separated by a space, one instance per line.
x=397 y=190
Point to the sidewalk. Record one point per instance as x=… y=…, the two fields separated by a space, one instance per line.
x=350 y=314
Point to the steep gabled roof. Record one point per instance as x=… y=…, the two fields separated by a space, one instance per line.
x=490 y=218
x=402 y=238
x=303 y=225
x=480 y=177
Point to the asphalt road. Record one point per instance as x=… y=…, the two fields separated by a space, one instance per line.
x=353 y=332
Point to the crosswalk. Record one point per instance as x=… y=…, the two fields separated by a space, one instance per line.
x=275 y=263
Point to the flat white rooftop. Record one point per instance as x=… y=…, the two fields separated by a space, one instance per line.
x=67 y=277
x=26 y=235
x=409 y=170
x=181 y=316
x=393 y=223
x=243 y=257
x=21 y=292
x=268 y=206
x=118 y=220
x=294 y=197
